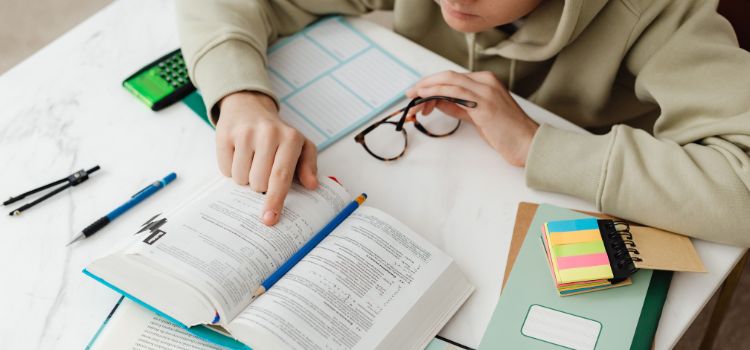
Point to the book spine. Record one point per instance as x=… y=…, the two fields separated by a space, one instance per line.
x=104 y=324
x=653 y=304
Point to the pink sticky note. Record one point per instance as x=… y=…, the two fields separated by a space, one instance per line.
x=570 y=262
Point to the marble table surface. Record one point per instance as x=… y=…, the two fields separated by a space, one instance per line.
x=63 y=109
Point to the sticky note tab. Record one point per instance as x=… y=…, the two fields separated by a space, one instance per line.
x=585 y=273
x=578 y=249
x=573 y=225
x=560 y=328
x=570 y=262
x=558 y=238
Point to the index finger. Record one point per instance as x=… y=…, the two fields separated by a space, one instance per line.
x=282 y=174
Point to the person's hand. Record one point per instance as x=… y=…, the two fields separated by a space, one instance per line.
x=253 y=145
x=498 y=118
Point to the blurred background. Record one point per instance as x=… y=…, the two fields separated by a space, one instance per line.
x=28 y=25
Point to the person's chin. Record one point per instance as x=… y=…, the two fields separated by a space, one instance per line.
x=467 y=24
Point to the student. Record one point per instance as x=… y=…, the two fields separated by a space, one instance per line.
x=662 y=84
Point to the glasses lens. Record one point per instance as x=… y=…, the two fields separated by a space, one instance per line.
x=385 y=142
x=438 y=123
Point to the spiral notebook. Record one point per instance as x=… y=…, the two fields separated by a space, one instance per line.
x=591 y=254
x=581 y=258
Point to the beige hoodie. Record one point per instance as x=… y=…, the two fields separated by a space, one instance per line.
x=662 y=84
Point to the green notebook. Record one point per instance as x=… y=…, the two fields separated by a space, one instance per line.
x=531 y=315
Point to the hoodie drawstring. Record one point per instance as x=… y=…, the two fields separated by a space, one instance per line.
x=472 y=49
x=471 y=41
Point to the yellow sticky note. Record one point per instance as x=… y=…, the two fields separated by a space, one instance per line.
x=558 y=238
x=585 y=274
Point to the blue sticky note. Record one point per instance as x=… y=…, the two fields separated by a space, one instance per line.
x=572 y=225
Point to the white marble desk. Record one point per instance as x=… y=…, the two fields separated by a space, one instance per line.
x=63 y=109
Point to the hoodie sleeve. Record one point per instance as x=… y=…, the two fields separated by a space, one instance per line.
x=224 y=42
x=692 y=175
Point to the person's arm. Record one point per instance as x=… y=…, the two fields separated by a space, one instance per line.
x=692 y=176
x=224 y=43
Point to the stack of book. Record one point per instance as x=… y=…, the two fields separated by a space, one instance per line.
x=530 y=314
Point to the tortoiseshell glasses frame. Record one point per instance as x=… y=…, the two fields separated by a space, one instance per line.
x=406 y=118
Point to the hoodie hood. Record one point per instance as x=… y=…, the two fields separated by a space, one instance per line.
x=545 y=31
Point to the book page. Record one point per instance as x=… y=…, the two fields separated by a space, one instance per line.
x=131 y=327
x=219 y=245
x=349 y=292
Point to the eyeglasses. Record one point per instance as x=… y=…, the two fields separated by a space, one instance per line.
x=386 y=139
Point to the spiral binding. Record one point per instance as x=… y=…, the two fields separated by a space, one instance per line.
x=623 y=246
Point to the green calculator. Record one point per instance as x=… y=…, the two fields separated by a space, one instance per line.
x=162 y=82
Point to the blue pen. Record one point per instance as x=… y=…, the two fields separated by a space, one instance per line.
x=312 y=243
x=135 y=199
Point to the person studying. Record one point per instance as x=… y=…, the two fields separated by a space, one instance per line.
x=656 y=82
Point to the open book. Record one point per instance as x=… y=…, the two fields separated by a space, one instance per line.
x=371 y=284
